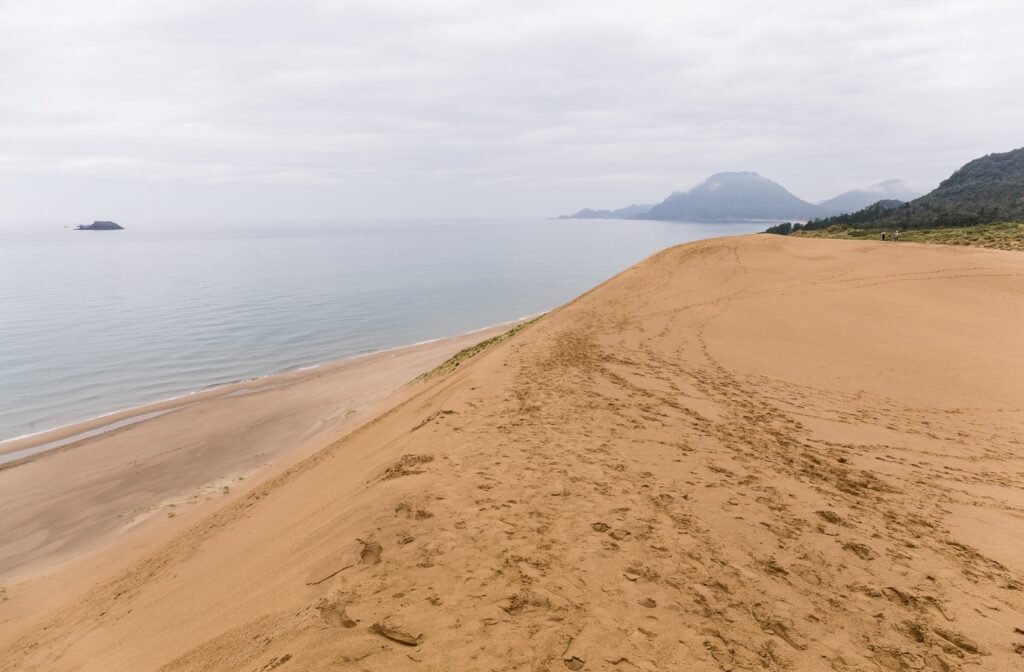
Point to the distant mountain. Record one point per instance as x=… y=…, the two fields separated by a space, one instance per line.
x=857 y=199
x=747 y=195
x=989 y=189
x=734 y=196
x=628 y=212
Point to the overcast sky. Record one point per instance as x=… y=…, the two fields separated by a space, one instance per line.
x=204 y=110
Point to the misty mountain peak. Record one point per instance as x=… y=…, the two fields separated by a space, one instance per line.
x=733 y=195
x=726 y=179
x=888 y=185
x=744 y=195
x=735 y=175
x=856 y=199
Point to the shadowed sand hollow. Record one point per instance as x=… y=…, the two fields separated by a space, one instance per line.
x=752 y=453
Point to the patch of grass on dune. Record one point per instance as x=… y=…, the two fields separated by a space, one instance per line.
x=461 y=356
x=999 y=236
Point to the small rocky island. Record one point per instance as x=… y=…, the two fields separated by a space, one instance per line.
x=99 y=226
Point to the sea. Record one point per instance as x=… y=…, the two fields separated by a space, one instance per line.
x=93 y=322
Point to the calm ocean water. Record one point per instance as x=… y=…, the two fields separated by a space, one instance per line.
x=93 y=321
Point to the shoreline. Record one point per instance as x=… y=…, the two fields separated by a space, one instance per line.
x=664 y=471
x=18 y=450
x=144 y=470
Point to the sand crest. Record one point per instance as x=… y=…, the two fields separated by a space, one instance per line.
x=741 y=454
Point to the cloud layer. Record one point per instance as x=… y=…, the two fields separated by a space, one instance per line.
x=244 y=109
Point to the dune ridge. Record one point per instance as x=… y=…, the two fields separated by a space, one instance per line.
x=741 y=454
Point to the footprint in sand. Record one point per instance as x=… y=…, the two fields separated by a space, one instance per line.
x=862 y=551
x=334 y=614
x=831 y=516
x=370 y=555
x=396 y=633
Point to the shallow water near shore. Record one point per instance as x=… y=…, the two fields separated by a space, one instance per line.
x=97 y=321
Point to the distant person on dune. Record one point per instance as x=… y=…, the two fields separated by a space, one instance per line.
x=897 y=235
x=883 y=235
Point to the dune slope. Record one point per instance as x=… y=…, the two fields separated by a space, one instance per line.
x=742 y=454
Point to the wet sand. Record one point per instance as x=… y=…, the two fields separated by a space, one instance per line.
x=752 y=453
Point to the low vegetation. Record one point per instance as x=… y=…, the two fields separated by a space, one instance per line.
x=461 y=356
x=1000 y=236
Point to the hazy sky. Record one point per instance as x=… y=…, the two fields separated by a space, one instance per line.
x=203 y=110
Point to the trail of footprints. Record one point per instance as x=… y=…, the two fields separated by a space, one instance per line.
x=631 y=504
x=742 y=544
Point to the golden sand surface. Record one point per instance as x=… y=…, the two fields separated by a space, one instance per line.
x=752 y=453
x=188 y=454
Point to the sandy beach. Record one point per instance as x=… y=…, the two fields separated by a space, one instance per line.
x=104 y=478
x=749 y=453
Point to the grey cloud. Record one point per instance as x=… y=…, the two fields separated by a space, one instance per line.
x=469 y=108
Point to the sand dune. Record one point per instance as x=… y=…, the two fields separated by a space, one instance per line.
x=752 y=453
x=191 y=453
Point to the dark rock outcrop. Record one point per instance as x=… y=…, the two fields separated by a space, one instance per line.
x=99 y=226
